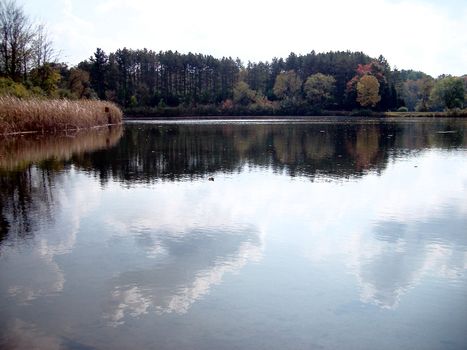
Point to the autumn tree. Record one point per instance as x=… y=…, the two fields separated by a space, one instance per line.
x=288 y=85
x=368 y=91
x=373 y=68
x=319 y=89
x=380 y=70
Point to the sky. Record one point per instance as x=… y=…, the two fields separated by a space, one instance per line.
x=426 y=35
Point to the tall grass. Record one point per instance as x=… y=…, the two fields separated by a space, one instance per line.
x=21 y=115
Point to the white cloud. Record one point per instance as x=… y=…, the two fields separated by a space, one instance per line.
x=410 y=34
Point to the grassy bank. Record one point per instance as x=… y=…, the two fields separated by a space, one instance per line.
x=239 y=112
x=26 y=115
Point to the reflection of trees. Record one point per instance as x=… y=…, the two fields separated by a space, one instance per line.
x=148 y=152
x=26 y=190
x=22 y=194
x=365 y=148
x=173 y=151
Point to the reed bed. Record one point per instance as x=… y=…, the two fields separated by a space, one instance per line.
x=18 y=152
x=28 y=115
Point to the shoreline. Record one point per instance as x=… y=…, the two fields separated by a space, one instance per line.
x=34 y=116
x=338 y=115
x=59 y=132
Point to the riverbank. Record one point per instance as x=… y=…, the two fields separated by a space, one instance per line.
x=52 y=115
x=210 y=112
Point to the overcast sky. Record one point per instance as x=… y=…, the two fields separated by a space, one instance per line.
x=426 y=35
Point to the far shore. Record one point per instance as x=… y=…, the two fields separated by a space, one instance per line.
x=326 y=114
x=22 y=116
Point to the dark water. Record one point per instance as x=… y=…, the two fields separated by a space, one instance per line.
x=324 y=235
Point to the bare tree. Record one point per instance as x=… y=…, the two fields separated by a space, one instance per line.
x=42 y=50
x=16 y=37
x=23 y=46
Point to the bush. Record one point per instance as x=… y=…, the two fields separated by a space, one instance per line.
x=403 y=109
x=10 y=88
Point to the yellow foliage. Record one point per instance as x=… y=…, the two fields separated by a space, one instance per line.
x=368 y=91
x=9 y=87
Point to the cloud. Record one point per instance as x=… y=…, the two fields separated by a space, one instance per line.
x=410 y=34
x=194 y=262
x=42 y=275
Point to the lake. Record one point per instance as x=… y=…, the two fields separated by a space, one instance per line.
x=326 y=234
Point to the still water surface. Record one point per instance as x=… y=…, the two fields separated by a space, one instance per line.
x=313 y=235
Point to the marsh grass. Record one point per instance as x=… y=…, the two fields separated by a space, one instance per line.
x=23 y=115
x=19 y=151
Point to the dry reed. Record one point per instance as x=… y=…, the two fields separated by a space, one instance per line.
x=23 y=115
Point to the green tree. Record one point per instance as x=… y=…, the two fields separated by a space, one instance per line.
x=448 y=93
x=46 y=77
x=319 y=89
x=242 y=94
x=368 y=91
x=288 y=85
x=99 y=67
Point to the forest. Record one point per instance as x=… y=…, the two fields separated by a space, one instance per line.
x=169 y=83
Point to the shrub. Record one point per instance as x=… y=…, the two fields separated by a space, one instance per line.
x=10 y=88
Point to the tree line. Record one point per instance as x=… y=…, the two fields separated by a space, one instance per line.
x=171 y=81
x=146 y=78
x=341 y=80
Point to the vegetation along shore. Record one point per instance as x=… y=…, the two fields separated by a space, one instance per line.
x=50 y=115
